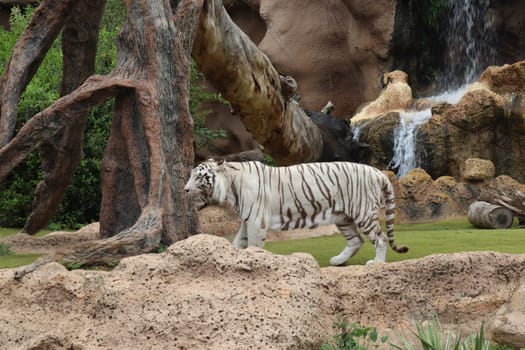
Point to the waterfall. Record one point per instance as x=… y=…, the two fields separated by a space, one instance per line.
x=470 y=41
x=471 y=48
x=405 y=141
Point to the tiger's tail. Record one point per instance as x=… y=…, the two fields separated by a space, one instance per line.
x=390 y=208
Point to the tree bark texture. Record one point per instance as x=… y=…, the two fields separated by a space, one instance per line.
x=26 y=57
x=247 y=79
x=486 y=215
x=62 y=154
x=149 y=154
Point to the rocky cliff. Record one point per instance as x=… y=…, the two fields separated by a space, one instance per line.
x=488 y=123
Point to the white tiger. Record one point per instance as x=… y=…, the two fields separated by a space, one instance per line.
x=306 y=195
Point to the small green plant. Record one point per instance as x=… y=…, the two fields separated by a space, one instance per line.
x=161 y=248
x=112 y=264
x=198 y=97
x=268 y=160
x=5 y=249
x=73 y=265
x=351 y=336
x=432 y=336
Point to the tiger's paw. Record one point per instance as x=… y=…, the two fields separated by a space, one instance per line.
x=373 y=261
x=337 y=260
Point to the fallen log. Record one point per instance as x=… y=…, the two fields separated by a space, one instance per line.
x=487 y=215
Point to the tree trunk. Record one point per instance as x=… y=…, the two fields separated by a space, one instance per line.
x=486 y=215
x=62 y=153
x=246 y=78
x=149 y=153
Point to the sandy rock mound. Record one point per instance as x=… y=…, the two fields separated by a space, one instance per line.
x=508 y=325
x=201 y=294
x=204 y=294
x=463 y=287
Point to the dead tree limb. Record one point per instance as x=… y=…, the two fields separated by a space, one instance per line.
x=487 y=215
x=247 y=79
x=513 y=200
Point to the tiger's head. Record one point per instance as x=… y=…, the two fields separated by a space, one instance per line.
x=202 y=180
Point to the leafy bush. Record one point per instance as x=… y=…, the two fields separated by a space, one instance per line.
x=5 y=249
x=430 y=334
x=81 y=203
x=198 y=96
x=432 y=337
x=352 y=336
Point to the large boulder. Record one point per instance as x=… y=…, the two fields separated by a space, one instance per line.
x=421 y=198
x=335 y=51
x=508 y=324
x=396 y=96
x=203 y=293
x=476 y=169
x=487 y=123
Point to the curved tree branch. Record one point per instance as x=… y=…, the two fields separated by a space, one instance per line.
x=248 y=80
x=62 y=154
x=26 y=57
x=54 y=119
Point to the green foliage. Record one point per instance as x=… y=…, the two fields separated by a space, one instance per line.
x=77 y=265
x=432 y=336
x=432 y=11
x=351 y=336
x=74 y=265
x=268 y=159
x=198 y=97
x=161 y=249
x=5 y=249
x=16 y=193
x=81 y=203
x=419 y=47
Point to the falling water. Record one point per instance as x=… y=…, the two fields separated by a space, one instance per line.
x=470 y=42
x=405 y=141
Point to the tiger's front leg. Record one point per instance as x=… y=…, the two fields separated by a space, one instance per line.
x=256 y=235
x=241 y=238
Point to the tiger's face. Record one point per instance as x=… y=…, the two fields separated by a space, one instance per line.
x=202 y=179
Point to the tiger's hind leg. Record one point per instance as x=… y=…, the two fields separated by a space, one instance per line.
x=373 y=230
x=353 y=241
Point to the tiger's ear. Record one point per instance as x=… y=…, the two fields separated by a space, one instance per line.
x=220 y=165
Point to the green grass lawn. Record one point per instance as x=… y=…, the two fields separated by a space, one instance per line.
x=15 y=260
x=449 y=236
